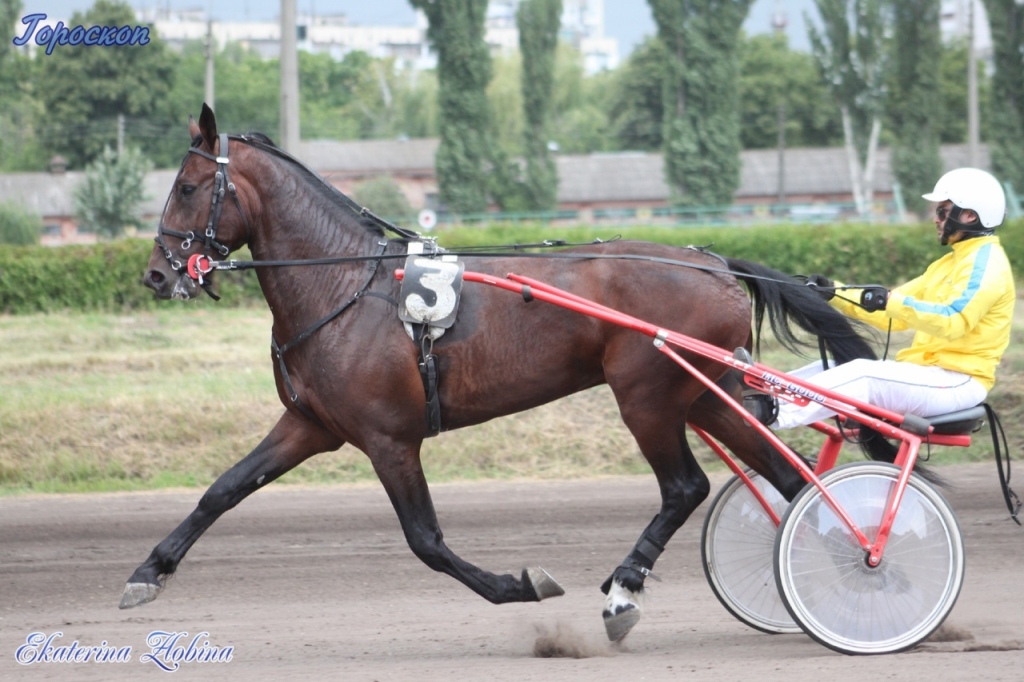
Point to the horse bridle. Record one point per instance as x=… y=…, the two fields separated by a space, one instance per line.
x=199 y=265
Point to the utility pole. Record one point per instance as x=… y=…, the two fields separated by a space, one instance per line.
x=289 y=79
x=782 y=152
x=208 y=92
x=973 y=134
x=120 y=135
x=779 y=23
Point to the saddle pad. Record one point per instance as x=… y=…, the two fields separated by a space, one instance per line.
x=431 y=290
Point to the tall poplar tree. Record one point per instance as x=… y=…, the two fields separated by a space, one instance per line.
x=851 y=53
x=538 y=22
x=702 y=125
x=915 y=84
x=456 y=32
x=1006 y=18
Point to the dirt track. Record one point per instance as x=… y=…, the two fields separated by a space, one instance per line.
x=317 y=583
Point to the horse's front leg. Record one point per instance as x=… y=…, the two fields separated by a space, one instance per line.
x=291 y=441
x=398 y=467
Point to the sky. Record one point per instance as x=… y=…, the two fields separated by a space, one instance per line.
x=629 y=21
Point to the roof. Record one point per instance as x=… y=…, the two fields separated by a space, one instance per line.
x=369 y=156
x=53 y=194
x=626 y=177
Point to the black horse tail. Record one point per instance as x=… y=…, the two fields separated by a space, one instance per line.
x=787 y=300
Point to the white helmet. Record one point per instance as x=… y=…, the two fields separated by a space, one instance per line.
x=974 y=189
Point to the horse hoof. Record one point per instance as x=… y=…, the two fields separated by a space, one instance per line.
x=138 y=593
x=542 y=582
x=621 y=612
x=618 y=625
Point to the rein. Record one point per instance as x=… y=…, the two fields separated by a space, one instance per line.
x=333 y=260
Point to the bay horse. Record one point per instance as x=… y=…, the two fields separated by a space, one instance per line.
x=347 y=372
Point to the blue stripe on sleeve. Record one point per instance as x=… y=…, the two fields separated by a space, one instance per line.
x=973 y=285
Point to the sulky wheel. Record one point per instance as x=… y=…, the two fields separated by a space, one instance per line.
x=736 y=549
x=829 y=588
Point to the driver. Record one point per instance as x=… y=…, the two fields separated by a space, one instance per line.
x=961 y=309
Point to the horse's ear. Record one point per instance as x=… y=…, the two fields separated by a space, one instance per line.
x=193 y=128
x=208 y=127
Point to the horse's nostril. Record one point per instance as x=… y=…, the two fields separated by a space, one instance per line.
x=156 y=277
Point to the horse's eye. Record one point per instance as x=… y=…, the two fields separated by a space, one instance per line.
x=187 y=190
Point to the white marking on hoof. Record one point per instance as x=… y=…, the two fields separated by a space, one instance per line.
x=543 y=584
x=622 y=610
x=138 y=593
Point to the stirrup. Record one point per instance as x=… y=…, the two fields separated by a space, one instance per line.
x=763 y=406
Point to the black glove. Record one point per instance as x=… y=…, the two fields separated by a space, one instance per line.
x=874 y=298
x=822 y=285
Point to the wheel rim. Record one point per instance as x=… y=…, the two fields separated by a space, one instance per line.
x=737 y=552
x=824 y=578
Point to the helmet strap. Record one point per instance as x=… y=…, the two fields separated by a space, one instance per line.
x=967 y=230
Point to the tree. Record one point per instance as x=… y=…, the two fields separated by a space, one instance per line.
x=851 y=54
x=701 y=125
x=952 y=113
x=580 y=105
x=85 y=88
x=19 y=226
x=10 y=13
x=384 y=197
x=773 y=76
x=505 y=96
x=1006 y=144
x=20 y=110
x=363 y=97
x=110 y=195
x=637 y=111
x=538 y=22
x=456 y=32
x=914 y=82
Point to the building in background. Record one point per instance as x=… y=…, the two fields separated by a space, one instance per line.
x=582 y=27
x=955 y=23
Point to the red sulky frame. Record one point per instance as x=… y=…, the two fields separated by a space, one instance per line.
x=785 y=387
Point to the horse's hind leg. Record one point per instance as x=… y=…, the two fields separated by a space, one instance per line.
x=398 y=466
x=290 y=442
x=710 y=413
x=657 y=421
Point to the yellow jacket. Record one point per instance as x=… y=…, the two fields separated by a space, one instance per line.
x=961 y=309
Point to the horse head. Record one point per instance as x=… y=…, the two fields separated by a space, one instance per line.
x=205 y=216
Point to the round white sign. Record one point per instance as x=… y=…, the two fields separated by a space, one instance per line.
x=427 y=219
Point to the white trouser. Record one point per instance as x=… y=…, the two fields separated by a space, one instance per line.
x=901 y=387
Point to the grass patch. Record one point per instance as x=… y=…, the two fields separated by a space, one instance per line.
x=103 y=402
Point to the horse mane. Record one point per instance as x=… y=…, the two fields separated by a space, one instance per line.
x=332 y=194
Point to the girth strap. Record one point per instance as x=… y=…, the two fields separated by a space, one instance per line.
x=430 y=376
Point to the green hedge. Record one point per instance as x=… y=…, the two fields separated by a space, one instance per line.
x=108 y=276
x=102 y=277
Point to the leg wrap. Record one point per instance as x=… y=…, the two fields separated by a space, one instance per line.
x=641 y=559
